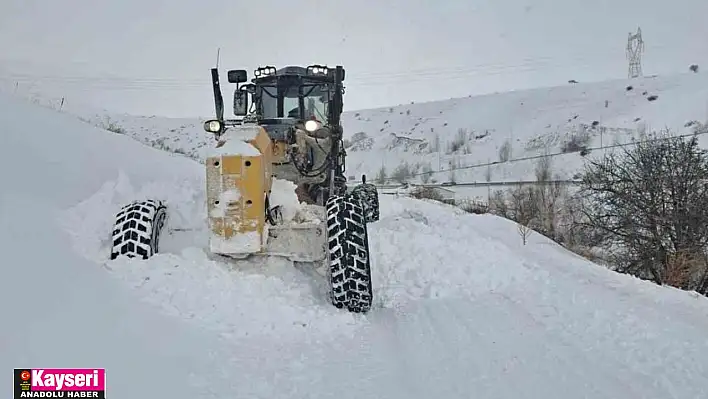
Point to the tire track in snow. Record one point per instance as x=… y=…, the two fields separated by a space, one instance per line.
x=450 y=350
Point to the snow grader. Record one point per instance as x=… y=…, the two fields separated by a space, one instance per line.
x=289 y=130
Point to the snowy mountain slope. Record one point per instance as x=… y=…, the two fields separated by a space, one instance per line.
x=534 y=122
x=463 y=308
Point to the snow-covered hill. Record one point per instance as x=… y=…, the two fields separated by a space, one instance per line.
x=463 y=308
x=469 y=131
x=447 y=139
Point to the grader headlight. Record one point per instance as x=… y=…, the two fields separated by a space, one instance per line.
x=264 y=71
x=213 y=126
x=312 y=125
x=318 y=70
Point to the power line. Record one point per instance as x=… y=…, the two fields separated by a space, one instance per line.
x=366 y=79
x=555 y=154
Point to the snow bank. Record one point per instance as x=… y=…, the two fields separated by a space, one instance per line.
x=427 y=251
x=60 y=309
x=258 y=297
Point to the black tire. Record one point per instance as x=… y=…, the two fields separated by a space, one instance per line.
x=349 y=261
x=369 y=196
x=137 y=229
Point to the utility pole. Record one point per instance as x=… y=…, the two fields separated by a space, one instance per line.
x=635 y=48
x=488 y=178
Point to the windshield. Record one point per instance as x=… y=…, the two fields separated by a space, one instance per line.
x=315 y=101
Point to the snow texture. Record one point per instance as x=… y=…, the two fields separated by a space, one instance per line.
x=462 y=308
x=225 y=198
x=283 y=194
x=234 y=141
x=239 y=243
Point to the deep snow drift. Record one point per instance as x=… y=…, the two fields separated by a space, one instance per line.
x=463 y=309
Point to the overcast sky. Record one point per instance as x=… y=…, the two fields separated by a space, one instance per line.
x=153 y=56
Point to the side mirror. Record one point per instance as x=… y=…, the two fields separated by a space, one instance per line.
x=240 y=103
x=237 y=76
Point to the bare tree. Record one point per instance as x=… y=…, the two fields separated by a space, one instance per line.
x=547 y=195
x=459 y=141
x=426 y=173
x=505 y=151
x=402 y=172
x=524 y=232
x=649 y=206
x=381 y=175
x=454 y=163
x=436 y=143
x=499 y=205
x=522 y=207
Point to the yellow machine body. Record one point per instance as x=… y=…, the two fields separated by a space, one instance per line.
x=238 y=176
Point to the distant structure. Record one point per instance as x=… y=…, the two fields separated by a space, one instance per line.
x=635 y=48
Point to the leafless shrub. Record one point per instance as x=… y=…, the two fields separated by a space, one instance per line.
x=498 y=204
x=578 y=141
x=402 y=172
x=422 y=192
x=536 y=206
x=472 y=206
x=112 y=126
x=522 y=204
x=459 y=141
x=682 y=268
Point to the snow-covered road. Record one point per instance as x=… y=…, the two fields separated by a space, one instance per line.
x=463 y=308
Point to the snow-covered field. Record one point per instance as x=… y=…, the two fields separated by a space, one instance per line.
x=458 y=134
x=463 y=309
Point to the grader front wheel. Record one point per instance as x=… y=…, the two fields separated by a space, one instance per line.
x=350 y=265
x=137 y=229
